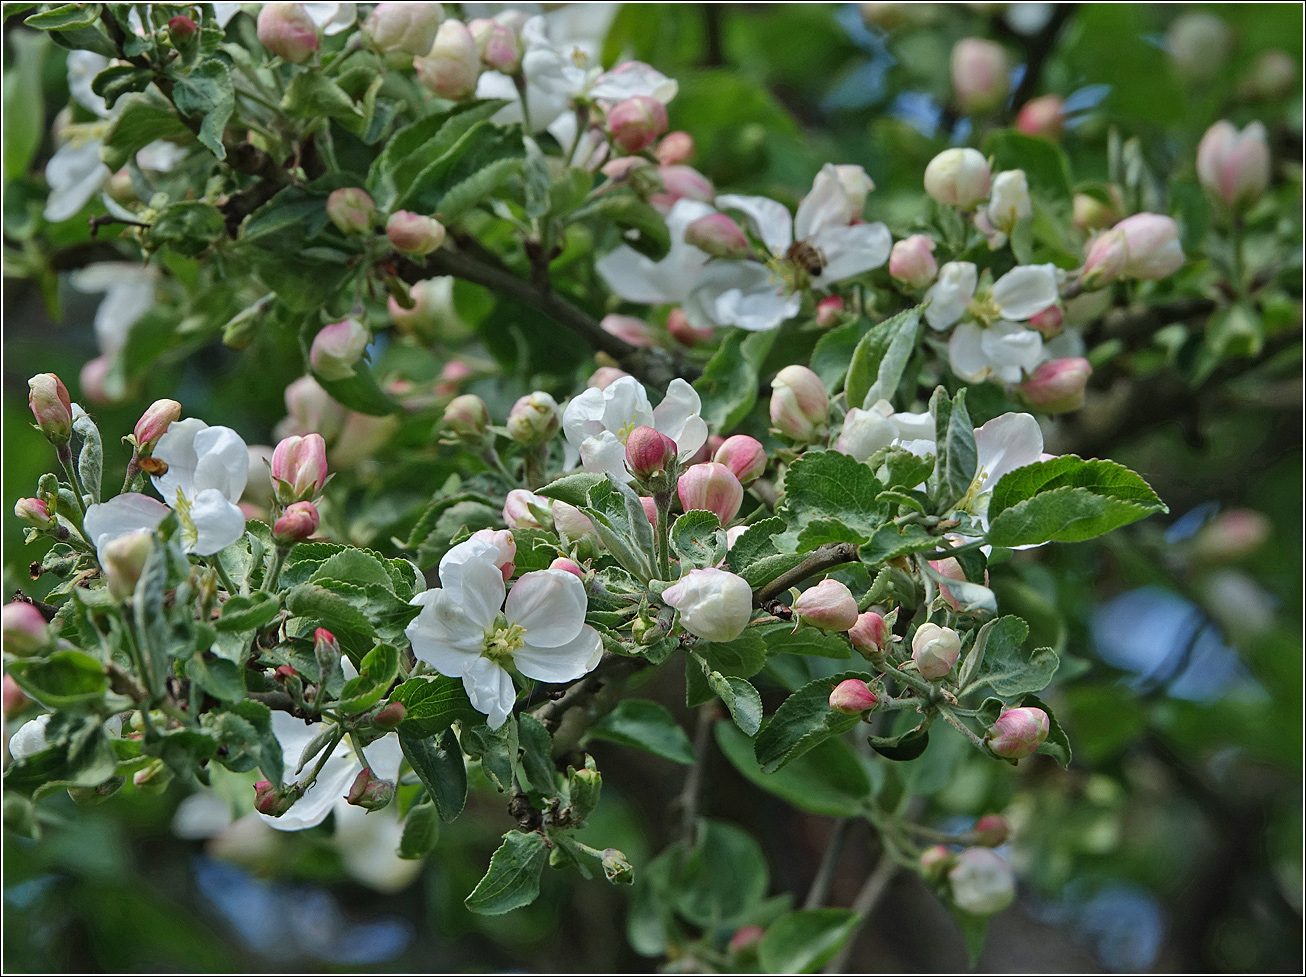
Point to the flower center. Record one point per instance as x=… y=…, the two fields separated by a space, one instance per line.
x=503 y=640
x=789 y=275
x=984 y=310
x=189 y=532
x=625 y=430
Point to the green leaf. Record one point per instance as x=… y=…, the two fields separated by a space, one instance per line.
x=327 y=609
x=189 y=227
x=622 y=525
x=955 y=455
x=829 y=779
x=880 y=358
x=647 y=726
x=728 y=386
x=248 y=613
x=142 y=118
x=898 y=468
x=805 y=941
x=496 y=748
x=740 y=697
x=698 y=539
x=834 y=351
x=1003 y=666
x=1045 y=163
x=744 y=656
x=312 y=94
x=354 y=566
x=23 y=117
x=904 y=746
x=421 y=830
x=438 y=763
x=118 y=80
x=433 y=704
x=360 y=392
x=1057 y=744
x=478 y=187
x=573 y=489
x=834 y=494
x=65 y=17
x=377 y=670
x=513 y=879
x=219 y=677
x=803 y=721
x=66 y=679
x=410 y=149
x=642 y=227
x=479 y=157
x=783 y=639
x=206 y=92
x=722 y=877
x=536 y=755
x=974 y=929
x=892 y=541
x=90 y=460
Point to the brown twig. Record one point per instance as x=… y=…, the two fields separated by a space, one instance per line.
x=825 y=558
x=863 y=905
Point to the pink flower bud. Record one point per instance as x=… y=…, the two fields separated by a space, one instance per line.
x=675 y=147
x=571 y=566
x=122 y=560
x=533 y=419
x=326 y=650
x=713 y=487
x=649 y=452
x=452 y=374
x=604 y=376
x=799 y=403
x=1057 y=386
x=745 y=938
x=650 y=508
x=829 y=606
x=991 y=831
x=852 y=697
x=1106 y=255
x=35 y=513
x=288 y=31
x=1092 y=214
x=467 y=417
x=1152 y=242
x=571 y=524
x=870 y=635
x=744 y=456
x=93 y=379
x=981 y=882
x=627 y=327
x=1048 y=322
x=828 y=311
x=637 y=122
x=298 y=522
x=1018 y=732
x=714 y=604
x=268 y=798
x=912 y=261
x=934 y=862
x=23 y=629
x=391 y=715
x=719 y=236
x=15 y=699
x=181 y=29
x=935 y=650
x=1231 y=536
x=299 y=468
x=684 y=333
x=414 y=234
x=1234 y=166
x=526 y=510
x=958 y=178
x=453 y=64
x=980 y=75
x=48 y=399
x=409 y=27
x=337 y=347
x=312 y=409
x=370 y=792
x=352 y=210
x=154 y=423
x=682 y=182
x=1043 y=117
x=505 y=545
x=499 y=47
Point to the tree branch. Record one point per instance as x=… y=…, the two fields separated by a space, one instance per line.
x=863 y=905
x=825 y=558
x=825 y=872
x=1037 y=50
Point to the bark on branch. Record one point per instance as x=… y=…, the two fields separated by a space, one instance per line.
x=825 y=558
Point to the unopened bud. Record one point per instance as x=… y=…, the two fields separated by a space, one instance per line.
x=288 y=31
x=719 y=236
x=1152 y=243
x=409 y=27
x=453 y=64
x=637 y=122
x=123 y=560
x=326 y=651
x=1233 y=166
x=1273 y=76
x=1048 y=322
x=584 y=787
x=571 y=524
x=391 y=715
x=526 y=510
x=1057 y=386
x=468 y=417
x=829 y=606
x=337 y=347
x=682 y=182
x=1018 y=732
x=272 y=800
x=52 y=408
x=414 y=234
x=35 y=513
x=1044 y=117
x=649 y=452
x=980 y=74
x=650 y=508
x=1093 y=214
x=1199 y=44
x=629 y=328
x=298 y=522
x=958 y=178
x=352 y=210
x=616 y=867
x=745 y=939
x=713 y=487
x=935 y=650
x=912 y=261
x=870 y=635
x=153 y=778
x=1231 y=536
x=1009 y=201
x=499 y=47
x=15 y=699
x=991 y=831
x=369 y=792
x=675 y=147
x=682 y=332
x=570 y=566
x=505 y=549
x=934 y=862
x=853 y=697
x=829 y=310
x=605 y=376
x=299 y=468
x=981 y=882
x=153 y=424
x=1105 y=258
x=24 y=630
x=533 y=419
x=744 y=456
x=714 y=604
x=799 y=403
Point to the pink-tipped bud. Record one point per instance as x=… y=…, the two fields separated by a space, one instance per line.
x=352 y=210
x=34 y=513
x=935 y=650
x=981 y=882
x=409 y=27
x=829 y=310
x=799 y=403
x=1018 y=732
x=1048 y=322
x=369 y=792
x=1057 y=386
x=853 y=697
x=270 y=799
x=122 y=561
x=499 y=47
x=526 y=510
x=1152 y=243
x=629 y=328
x=154 y=423
x=414 y=234
x=744 y=456
x=467 y=417
x=181 y=29
x=23 y=629
x=1232 y=535
x=51 y=406
x=452 y=375
x=684 y=333
x=912 y=261
x=870 y=635
x=288 y=31
x=570 y=566
x=15 y=699
x=571 y=524
x=505 y=546
x=991 y=831
x=298 y=522
x=1234 y=166
x=312 y=409
x=719 y=236
x=1105 y=257
x=682 y=182
x=1044 y=117
x=326 y=651
x=1199 y=43
x=605 y=376
x=958 y=177
x=649 y=452
x=390 y=716
x=829 y=606
x=94 y=381
x=637 y=122
x=650 y=508
x=453 y=64
x=980 y=74
x=746 y=938
x=337 y=347
x=299 y=468
x=675 y=147
x=533 y=419
x=934 y=862
x=712 y=487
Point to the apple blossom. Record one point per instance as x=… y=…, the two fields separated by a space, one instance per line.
x=451 y=67
x=299 y=468
x=981 y=882
x=1234 y=166
x=1199 y=44
x=1018 y=732
x=852 y=697
x=153 y=424
x=979 y=74
x=638 y=278
x=649 y=453
x=337 y=348
x=414 y=234
x=991 y=831
x=467 y=417
x=1009 y=202
x=717 y=235
x=499 y=46
x=635 y=331
x=958 y=178
x=712 y=487
x=351 y=209
x=408 y=27
x=912 y=261
x=799 y=404
x=684 y=333
x=533 y=419
x=298 y=522
x=123 y=558
x=370 y=792
x=830 y=309
x=829 y=606
x=714 y=604
x=935 y=650
x=1057 y=386
x=637 y=122
x=287 y=30
x=597 y=422
x=675 y=147
x=34 y=513
x=870 y=634
x=867 y=431
x=1152 y=242
x=49 y=403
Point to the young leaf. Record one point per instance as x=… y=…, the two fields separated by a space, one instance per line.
x=438 y=763
x=645 y=725
x=829 y=779
x=880 y=358
x=513 y=878
x=377 y=670
x=433 y=704
x=805 y=941
x=804 y=720
x=955 y=454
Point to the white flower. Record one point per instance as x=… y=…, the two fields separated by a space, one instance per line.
x=818 y=246
x=30 y=739
x=332 y=18
x=207 y=471
x=1009 y=201
x=1004 y=351
x=713 y=604
x=541 y=630
x=128 y=294
x=638 y=278
x=597 y=422
x=948 y=297
x=867 y=431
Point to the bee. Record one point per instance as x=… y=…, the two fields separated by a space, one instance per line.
x=779 y=609
x=154 y=466
x=807 y=257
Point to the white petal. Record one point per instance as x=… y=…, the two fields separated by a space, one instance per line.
x=948 y=297
x=583 y=416
x=634 y=78
x=914 y=426
x=826 y=207
x=337 y=774
x=626 y=406
x=473 y=579
x=126 y=513
x=222 y=462
x=83 y=66
x=769 y=219
x=442 y=635
x=74 y=173
x=29 y=740
x=491 y=690
x=561 y=663
x=743 y=294
x=550 y=605
x=1011 y=350
x=966 y=353
x=176 y=449
x=332 y=18
x=1026 y=291
x=678 y=418
x=384 y=757
x=201 y=815
x=605 y=454
x=160 y=156
x=129 y=294
x=1006 y=443
x=218 y=522
x=368 y=843
x=851 y=250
